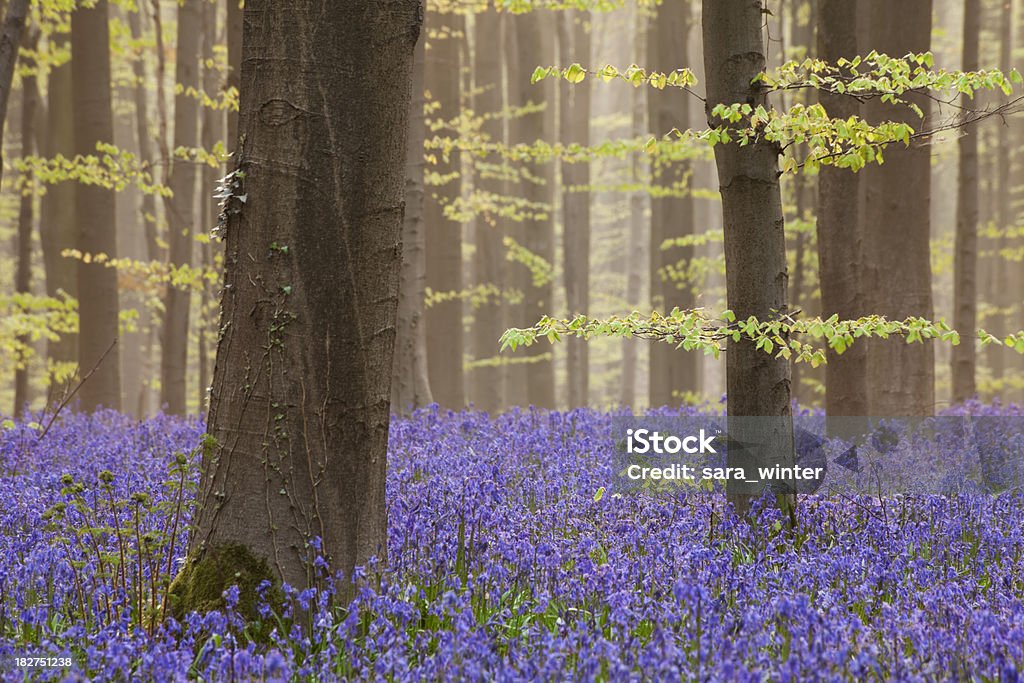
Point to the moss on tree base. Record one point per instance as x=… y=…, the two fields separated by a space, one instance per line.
x=200 y=585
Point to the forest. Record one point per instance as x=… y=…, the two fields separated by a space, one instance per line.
x=512 y=340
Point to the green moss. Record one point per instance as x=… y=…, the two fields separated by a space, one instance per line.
x=201 y=583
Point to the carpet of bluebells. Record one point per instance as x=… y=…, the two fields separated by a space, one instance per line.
x=506 y=563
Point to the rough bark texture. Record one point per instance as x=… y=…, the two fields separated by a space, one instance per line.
x=23 y=274
x=758 y=384
x=445 y=339
x=410 y=386
x=672 y=371
x=487 y=381
x=574 y=124
x=212 y=126
x=840 y=228
x=965 y=287
x=95 y=211
x=901 y=377
x=300 y=401
x=181 y=209
x=535 y=39
x=57 y=229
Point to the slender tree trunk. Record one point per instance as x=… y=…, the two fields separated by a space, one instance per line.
x=410 y=386
x=299 y=408
x=671 y=370
x=839 y=227
x=57 y=228
x=965 y=287
x=534 y=41
x=95 y=211
x=1005 y=299
x=23 y=274
x=635 y=262
x=574 y=122
x=489 y=255
x=901 y=377
x=180 y=210
x=148 y=209
x=755 y=242
x=10 y=42
x=444 y=335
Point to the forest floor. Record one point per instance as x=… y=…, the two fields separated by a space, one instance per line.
x=507 y=561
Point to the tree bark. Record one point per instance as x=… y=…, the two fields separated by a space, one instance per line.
x=180 y=210
x=57 y=228
x=410 y=386
x=212 y=127
x=444 y=335
x=300 y=401
x=234 y=41
x=487 y=382
x=95 y=208
x=840 y=227
x=1006 y=299
x=965 y=287
x=758 y=383
x=672 y=371
x=574 y=124
x=23 y=274
x=901 y=377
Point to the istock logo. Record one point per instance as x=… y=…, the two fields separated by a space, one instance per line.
x=643 y=441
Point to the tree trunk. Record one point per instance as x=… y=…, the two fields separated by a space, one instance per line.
x=57 y=228
x=840 y=227
x=758 y=384
x=1006 y=299
x=180 y=210
x=299 y=408
x=444 y=335
x=10 y=43
x=410 y=386
x=489 y=255
x=901 y=377
x=635 y=263
x=23 y=275
x=965 y=288
x=672 y=371
x=95 y=212
x=534 y=41
x=574 y=122
x=147 y=209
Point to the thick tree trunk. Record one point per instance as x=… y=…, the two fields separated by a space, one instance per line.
x=57 y=228
x=180 y=210
x=840 y=227
x=23 y=274
x=444 y=335
x=758 y=383
x=534 y=42
x=901 y=377
x=410 y=386
x=95 y=211
x=574 y=124
x=487 y=382
x=672 y=371
x=299 y=407
x=965 y=287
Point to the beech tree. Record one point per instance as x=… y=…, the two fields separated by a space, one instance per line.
x=95 y=213
x=299 y=409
